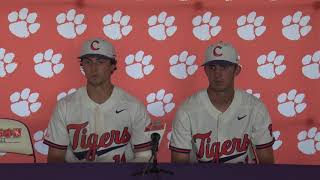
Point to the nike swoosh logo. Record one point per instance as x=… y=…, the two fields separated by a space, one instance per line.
x=224 y=159
x=120 y=111
x=82 y=155
x=239 y=118
x=228 y=158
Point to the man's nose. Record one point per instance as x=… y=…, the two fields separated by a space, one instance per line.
x=217 y=70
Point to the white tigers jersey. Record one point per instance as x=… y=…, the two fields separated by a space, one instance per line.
x=229 y=137
x=107 y=132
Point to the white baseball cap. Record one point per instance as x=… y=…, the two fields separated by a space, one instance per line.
x=221 y=52
x=98 y=46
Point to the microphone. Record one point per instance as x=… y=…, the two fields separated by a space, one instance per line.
x=155 y=138
x=149 y=169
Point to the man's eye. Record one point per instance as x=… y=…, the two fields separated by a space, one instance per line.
x=85 y=62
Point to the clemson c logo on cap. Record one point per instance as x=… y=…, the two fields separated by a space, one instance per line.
x=94 y=45
x=215 y=53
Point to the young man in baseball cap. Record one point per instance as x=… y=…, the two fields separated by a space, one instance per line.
x=100 y=121
x=222 y=124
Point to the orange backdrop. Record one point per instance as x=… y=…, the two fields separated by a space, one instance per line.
x=160 y=47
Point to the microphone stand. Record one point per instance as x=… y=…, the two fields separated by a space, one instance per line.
x=154 y=169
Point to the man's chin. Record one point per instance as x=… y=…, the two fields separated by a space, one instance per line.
x=218 y=88
x=95 y=83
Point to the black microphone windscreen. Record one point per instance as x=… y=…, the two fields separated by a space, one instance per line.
x=155 y=136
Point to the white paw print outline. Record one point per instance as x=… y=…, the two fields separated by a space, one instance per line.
x=206 y=26
x=291 y=104
x=271 y=65
x=38 y=138
x=48 y=64
x=256 y=94
x=311 y=65
x=22 y=104
x=183 y=65
x=64 y=94
x=309 y=142
x=277 y=144
x=160 y=103
x=161 y=27
x=138 y=65
x=116 y=26
x=7 y=66
x=22 y=23
x=70 y=25
x=295 y=26
x=250 y=27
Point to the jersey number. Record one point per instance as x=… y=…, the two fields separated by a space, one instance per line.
x=118 y=159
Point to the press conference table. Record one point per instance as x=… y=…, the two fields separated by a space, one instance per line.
x=92 y=171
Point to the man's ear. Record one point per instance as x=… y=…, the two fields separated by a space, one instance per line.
x=205 y=70
x=237 y=70
x=114 y=67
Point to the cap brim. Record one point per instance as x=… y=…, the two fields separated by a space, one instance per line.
x=94 y=55
x=219 y=62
